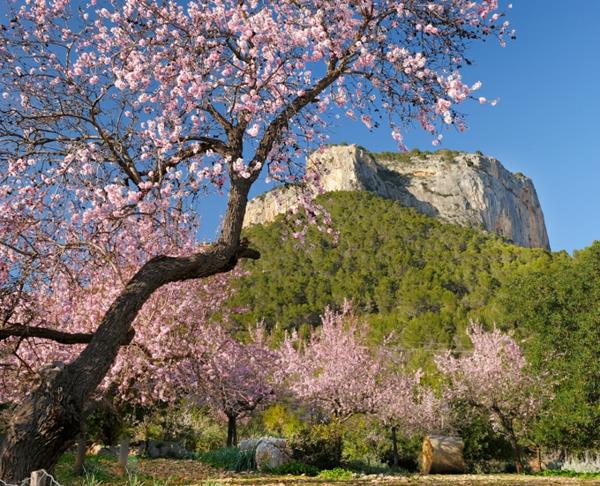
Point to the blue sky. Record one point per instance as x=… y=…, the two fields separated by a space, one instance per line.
x=545 y=125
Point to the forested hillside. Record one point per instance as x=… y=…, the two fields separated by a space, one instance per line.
x=412 y=274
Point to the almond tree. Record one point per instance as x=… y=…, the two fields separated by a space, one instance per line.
x=406 y=405
x=335 y=369
x=124 y=113
x=233 y=378
x=495 y=378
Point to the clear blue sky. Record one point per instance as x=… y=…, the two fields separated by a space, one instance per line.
x=546 y=125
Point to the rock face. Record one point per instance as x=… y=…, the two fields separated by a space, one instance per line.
x=457 y=187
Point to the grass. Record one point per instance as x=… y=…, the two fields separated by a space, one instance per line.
x=568 y=474
x=336 y=474
x=102 y=471
x=225 y=458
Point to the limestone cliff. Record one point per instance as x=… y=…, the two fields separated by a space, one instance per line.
x=457 y=187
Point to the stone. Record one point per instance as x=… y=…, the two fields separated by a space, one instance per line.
x=248 y=444
x=271 y=453
x=155 y=449
x=456 y=187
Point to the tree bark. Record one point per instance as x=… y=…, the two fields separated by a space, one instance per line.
x=395 y=459
x=123 y=452
x=81 y=448
x=232 y=431
x=48 y=421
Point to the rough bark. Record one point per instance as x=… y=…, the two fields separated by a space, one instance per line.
x=395 y=459
x=80 y=454
x=123 y=452
x=48 y=421
x=232 y=431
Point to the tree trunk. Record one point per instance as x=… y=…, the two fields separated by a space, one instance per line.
x=232 y=431
x=123 y=452
x=81 y=448
x=48 y=421
x=512 y=439
x=395 y=458
x=516 y=452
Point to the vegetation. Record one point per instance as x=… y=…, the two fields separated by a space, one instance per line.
x=425 y=280
x=409 y=273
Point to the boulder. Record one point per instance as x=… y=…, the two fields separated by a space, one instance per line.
x=248 y=444
x=155 y=449
x=272 y=452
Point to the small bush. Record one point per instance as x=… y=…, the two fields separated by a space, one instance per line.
x=337 y=473
x=280 y=421
x=319 y=446
x=246 y=460
x=568 y=474
x=226 y=458
x=295 y=468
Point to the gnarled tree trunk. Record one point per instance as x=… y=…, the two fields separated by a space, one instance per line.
x=48 y=421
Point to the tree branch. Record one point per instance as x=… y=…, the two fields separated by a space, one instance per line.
x=54 y=335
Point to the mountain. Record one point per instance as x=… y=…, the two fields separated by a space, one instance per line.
x=456 y=187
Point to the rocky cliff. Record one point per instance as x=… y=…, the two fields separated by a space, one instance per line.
x=457 y=187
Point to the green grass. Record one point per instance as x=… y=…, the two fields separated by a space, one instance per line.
x=229 y=459
x=101 y=470
x=568 y=474
x=336 y=474
x=295 y=468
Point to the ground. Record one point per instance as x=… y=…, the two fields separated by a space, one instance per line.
x=169 y=472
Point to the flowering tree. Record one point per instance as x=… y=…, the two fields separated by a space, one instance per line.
x=231 y=377
x=404 y=404
x=119 y=116
x=495 y=379
x=335 y=368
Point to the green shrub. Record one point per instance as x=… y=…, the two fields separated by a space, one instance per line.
x=485 y=450
x=568 y=474
x=226 y=458
x=337 y=473
x=280 y=421
x=319 y=446
x=295 y=468
x=246 y=460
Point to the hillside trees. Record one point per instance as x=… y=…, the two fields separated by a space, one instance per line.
x=411 y=274
x=556 y=307
x=120 y=115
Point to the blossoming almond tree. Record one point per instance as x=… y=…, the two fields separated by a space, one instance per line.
x=124 y=113
x=495 y=379
x=406 y=405
x=335 y=369
x=233 y=378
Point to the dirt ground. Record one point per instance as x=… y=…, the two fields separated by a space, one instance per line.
x=195 y=473
x=459 y=480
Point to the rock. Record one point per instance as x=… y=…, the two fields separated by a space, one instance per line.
x=248 y=444
x=155 y=449
x=456 y=187
x=271 y=453
x=112 y=451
